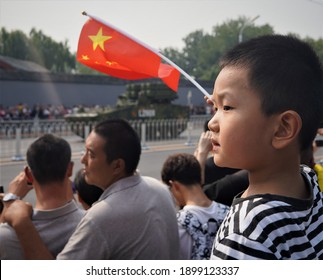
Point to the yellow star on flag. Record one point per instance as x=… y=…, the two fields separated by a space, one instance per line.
x=85 y=57
x=110 y=62
x=99 y=39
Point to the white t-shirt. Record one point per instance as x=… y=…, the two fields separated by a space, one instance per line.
x=195 y=222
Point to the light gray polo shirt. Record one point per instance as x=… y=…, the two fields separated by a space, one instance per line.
x=135 y=218
x=54 y=227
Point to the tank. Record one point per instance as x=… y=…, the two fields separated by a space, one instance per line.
x=141 y=102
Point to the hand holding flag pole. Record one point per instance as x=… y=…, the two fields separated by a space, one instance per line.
x=110 y=50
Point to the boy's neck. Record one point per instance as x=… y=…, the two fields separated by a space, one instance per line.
x=196 y=196
x=278 y=181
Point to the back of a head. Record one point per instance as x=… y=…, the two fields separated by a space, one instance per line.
x=183 y=168
x=48 y=157
x=287 y=75
x=88 y=193
x=122 y=141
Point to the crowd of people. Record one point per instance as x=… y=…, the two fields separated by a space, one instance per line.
x=23 y=111
x=267 y=103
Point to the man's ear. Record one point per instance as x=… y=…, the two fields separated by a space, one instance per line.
x=119 y=166
x=70 y=169
x=289 y=124
x=29 y=175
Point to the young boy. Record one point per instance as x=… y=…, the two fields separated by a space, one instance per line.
x=200 y=217
x=268 y=103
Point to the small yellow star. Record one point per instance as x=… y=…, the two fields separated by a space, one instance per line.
x=99 y=39
x=85 y=57
x=110 y=62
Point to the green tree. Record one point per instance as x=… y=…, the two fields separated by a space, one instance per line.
x=317 y=45
x=39 y=48
x=54 y=56
x=202 y=51
x=14 y=44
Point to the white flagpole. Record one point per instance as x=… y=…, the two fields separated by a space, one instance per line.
x=187 y=76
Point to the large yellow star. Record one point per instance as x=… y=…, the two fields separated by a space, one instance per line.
x=99 y=39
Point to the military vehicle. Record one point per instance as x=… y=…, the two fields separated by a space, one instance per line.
x=141 y=103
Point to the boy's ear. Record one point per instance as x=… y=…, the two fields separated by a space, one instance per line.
x=289 y=124
x=176 y=188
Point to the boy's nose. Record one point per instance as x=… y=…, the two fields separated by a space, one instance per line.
x=214 y=124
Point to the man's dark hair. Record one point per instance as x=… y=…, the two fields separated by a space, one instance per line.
x=48 y=158
x=287 y=75
x=183 y=168
x=122 y=142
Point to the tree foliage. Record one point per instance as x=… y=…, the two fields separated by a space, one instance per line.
x=39 y=48
x=202 y=51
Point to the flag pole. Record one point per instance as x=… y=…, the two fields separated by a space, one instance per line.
x=187 y=76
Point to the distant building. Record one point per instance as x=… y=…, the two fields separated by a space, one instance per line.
x=10 y=64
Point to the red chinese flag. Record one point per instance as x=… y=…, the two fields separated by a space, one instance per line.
x=107 y=50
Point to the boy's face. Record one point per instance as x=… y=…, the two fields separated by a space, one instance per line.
x=240 y=131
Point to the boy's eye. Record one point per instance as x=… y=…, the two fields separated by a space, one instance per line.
x=227 y=108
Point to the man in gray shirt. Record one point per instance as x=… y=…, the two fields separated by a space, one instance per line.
x=56 y=214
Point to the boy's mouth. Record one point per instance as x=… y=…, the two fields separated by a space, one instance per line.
x=215 y=144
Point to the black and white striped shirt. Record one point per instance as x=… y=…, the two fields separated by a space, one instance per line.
x=273 y=227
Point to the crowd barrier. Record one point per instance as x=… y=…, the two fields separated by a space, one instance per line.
x=149 y=130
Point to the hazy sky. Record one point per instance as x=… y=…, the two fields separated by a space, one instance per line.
x=159 y=23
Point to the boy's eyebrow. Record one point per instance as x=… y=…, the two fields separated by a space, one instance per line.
x=220 y=96
x=223 y=94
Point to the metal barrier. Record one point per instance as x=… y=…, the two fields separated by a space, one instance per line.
x=148 y=130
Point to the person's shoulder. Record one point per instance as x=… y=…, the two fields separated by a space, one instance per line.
x=5 y=227
x=151 y=180
x=153 y=183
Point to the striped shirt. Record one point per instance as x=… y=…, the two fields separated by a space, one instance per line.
x=273 y=227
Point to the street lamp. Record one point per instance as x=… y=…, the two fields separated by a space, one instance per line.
x=246 y=23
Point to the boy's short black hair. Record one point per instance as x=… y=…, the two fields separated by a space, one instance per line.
x=183 y=168
x=287 y=75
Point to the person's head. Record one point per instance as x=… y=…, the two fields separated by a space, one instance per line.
x=180 y=171
x=112 y=152
x=269 y=91
x=49 y=159
x=183 y=168
x=87 y=194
